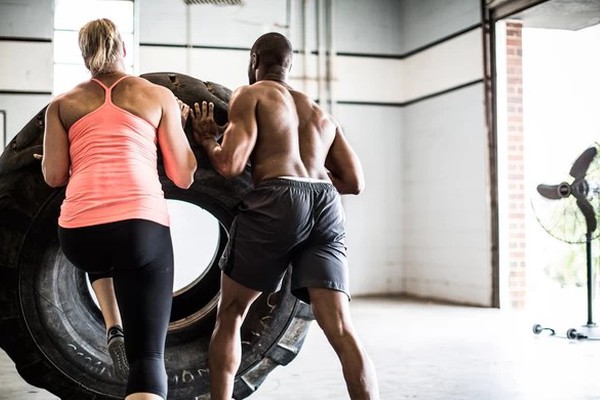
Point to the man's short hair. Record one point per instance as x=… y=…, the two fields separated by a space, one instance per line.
x=273 y=49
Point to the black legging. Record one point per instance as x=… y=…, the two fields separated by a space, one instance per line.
x=139 y=256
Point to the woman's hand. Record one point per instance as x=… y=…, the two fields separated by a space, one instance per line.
x=185 y=111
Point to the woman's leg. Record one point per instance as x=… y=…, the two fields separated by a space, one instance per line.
x=105 y=293
x=143 y=282
x=143 y=396
x=140 y=254
x=102 y=284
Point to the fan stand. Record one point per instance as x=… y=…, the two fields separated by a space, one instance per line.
x=588 y=251
x=580 y=189
x=590 y=330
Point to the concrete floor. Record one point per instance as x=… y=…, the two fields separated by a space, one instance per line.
x=425 y=351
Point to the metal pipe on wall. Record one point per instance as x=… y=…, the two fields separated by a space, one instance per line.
x=188 y=40
x=332 y=56
x=288 y=18
x=325 y=53
x=305 y=6
x=321 y=57
x=136 y=37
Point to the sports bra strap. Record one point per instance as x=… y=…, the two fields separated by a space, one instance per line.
x=107 y=89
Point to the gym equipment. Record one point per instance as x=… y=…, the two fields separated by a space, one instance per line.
x=50 y=326
x=570 y=215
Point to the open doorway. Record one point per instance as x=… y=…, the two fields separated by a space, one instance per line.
x=547 y=92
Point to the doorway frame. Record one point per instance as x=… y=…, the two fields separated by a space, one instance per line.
x=493 y=11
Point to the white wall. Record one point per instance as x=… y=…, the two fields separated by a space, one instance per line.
x=20 y=108
x=428 y=21
x=422 y=224
x=445 y=205
x=374 y=219
x=446 y=245
x=26 y=29
x=389 y=248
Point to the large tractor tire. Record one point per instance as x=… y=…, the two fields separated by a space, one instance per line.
x=49 y=324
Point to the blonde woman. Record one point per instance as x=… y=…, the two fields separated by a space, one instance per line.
x=101 y=141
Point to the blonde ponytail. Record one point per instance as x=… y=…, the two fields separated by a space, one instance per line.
x=101 y=45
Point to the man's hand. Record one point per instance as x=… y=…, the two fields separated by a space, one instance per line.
x=203 y=123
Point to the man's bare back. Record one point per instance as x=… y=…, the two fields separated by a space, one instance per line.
x=294 y=135
x=283 y=133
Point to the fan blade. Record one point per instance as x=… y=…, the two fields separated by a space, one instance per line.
x=551 y=192
x=588 y=212
x=581 y=165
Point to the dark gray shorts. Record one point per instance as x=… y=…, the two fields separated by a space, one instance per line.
x=285 y=222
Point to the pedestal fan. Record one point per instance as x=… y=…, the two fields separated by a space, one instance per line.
x=571 y=214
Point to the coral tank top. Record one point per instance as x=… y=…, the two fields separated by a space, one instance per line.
x=114 y=173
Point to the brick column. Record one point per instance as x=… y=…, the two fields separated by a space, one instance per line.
x=515 y=165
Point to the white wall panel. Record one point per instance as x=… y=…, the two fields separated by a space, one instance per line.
x=374 y=218
x=3 y=134
x=166 y=22
x=369 y=79
x=27 y=18
x=162 y=22
x=26 y=66
x=237 y=26
x=426 y=21
x=304 y=74
x=445 y=205
x=162 y=59
x=449 y=64
x=226 y=67
x=368 y=27
x=20 y=108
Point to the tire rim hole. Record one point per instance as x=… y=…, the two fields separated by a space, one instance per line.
x=195 y=235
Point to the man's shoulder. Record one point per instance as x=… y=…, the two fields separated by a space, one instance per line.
x=246 y=93
x=247 y=89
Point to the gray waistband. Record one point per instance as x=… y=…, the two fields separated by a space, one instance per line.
x=284 y=182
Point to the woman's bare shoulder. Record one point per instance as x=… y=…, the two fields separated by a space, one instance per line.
x=153 y=90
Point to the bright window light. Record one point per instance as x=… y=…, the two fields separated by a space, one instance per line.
x=69 y=17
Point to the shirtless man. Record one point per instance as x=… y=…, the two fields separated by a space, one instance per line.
x=301 y=163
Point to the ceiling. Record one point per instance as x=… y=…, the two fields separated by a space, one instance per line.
x=561 y=14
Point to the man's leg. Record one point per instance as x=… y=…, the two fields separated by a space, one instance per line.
x=332 y=313
x=225 y=351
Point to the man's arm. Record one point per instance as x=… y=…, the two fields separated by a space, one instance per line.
x=345 y=169
x=55 y=160
x=231 y=156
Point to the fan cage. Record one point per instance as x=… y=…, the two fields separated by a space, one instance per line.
x=563 y=219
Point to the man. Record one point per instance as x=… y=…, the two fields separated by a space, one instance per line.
x=300 y=161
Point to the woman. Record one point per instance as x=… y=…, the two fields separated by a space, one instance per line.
x=101 y=141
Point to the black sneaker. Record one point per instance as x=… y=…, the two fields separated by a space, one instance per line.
x=115 y=340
